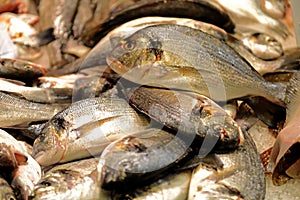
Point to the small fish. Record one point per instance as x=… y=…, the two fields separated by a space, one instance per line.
x=283 y=164
x=16 y=111
x=179 y=57
x=274 y=8
x=6 y=192
x=74 y=180
x=34 y=94
x=193 y=114
x=133 y=160
x=171 y=187
x=241 y=177
x=84 y=129
x=20 y=70
x=263 y=46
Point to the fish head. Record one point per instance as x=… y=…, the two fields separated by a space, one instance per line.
x=133 y=56
x=49 y=147
x=230 y=134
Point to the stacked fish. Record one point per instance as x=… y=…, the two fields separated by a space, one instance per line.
x=124 y=100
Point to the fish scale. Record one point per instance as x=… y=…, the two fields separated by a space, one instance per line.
x=203 y=64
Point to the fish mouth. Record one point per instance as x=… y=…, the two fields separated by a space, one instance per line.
x=113 y=61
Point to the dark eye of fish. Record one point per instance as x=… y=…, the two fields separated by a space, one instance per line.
x=45 y=183
x=42 y=137
x=128 y=44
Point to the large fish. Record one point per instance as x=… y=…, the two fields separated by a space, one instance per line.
x=17 y=111
x=180 y=57
x=84 y=129
x=190 y=113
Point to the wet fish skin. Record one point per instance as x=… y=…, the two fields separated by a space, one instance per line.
x=85 y=129
x=6 y=192
x=171 y=187
x=241 y=177
x=75 y=180
x=189 y=113
x=142 y=156
x=20 y=70
x=39 y=95
x=16 y=111
x=153 y=53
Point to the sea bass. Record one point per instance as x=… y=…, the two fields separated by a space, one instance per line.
x=179 y=57
x=84 y=129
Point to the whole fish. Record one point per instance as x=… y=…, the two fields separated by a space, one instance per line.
x=274 y=8
x=16 y=111
x=84 y=129
x=134 y=160
x=39 y=95
x=241 y=177
x=20 y=70
x=6 y=192
x=171 y=187
x=284 y=159
x=193 y=114
x=74 y=180
x=179 y=57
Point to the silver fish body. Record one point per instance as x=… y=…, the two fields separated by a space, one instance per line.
x=241 y=177
x=193 y=114
x=84 y=129
x=142 y=156
x=179 y=57
x=16 y=111
x=74 y=180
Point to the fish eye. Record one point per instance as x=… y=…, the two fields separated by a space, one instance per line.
x=128 y=44
x=45 y=183
x=42 y=137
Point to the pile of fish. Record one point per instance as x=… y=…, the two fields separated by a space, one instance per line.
x=146 y=99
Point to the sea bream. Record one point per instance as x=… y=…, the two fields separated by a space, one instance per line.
x=179 y=57
x=84 y=129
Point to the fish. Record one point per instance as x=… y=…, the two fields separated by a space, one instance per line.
x=21 y=70
x=241 y=177
x=35 y=94
x=26 y=176
x=16 y=111
x=27 y=172
x=134 y=160
x=284 y=161
x=250 y=16
x=6 y=192
x=151 y=57
x=171 y=187
x=263 y=46
x=74 y=180
x=193 y=114
x=129 y=10
x=84 y=129
x=274 y=8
